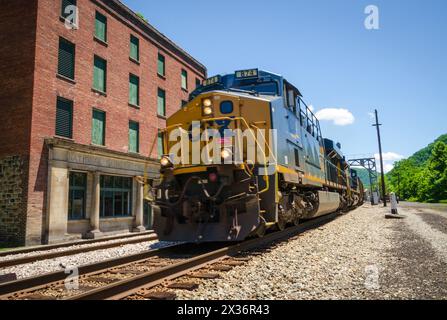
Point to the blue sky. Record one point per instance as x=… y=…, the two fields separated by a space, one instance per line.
x=323 y=47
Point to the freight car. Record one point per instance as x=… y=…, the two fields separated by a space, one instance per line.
x=268 y=165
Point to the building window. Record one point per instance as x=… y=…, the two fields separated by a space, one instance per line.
x=160 y=145
x=100 y=74
x=77 y=196
x=100 y=27
x=66 y=67
x=184 y=103
x=184 y=80
x=161 y=103
x=134 y=90
x=134 y=48
x=198 y=82
x=65 y=8
x=134 y=137
x=161 y=65
x=99 y=128
x=116 y=195
x=64 y=118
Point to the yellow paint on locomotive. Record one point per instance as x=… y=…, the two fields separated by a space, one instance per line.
x=247 y=111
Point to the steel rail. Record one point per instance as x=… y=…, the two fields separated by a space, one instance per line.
x=41 y=281
x=70 y=244
x=70 y=252
x=124 y=288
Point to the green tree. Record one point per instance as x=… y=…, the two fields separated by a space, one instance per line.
x=141 y=16
x=434 y=180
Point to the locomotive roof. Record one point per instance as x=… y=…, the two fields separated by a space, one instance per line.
x=238 y=78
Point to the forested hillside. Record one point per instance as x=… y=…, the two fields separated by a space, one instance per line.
x=423 y=176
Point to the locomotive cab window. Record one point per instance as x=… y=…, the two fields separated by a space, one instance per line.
x=291 y=95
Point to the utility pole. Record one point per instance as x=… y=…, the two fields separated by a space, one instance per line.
x=377 y=125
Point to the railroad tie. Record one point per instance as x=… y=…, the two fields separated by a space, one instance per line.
x=189 y=286
x=101 y=279
x=204 y=275
x=36 y=297
x=233 y=263
x=160 y=295
x=221 y=268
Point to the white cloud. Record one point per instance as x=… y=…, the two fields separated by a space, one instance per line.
x=311 y=108
x=340 y=117
x=388 y=167
x=389 y=156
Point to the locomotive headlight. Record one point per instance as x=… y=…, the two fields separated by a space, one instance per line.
x=165 y=161
x=207 y=103
x=226 y=154
x=207 y=111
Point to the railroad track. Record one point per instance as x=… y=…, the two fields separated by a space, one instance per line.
x=134 y=277
x=130 y=239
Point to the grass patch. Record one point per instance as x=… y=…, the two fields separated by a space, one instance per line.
x=443 y=201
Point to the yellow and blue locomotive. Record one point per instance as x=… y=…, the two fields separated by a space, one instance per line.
x=268 y=165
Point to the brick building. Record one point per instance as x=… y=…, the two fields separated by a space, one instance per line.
x=82 y=96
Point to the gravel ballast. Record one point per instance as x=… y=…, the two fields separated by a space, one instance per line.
x=57 y=264
x=36 y=253
x=360 y=255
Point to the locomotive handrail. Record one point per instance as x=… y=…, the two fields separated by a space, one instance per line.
x=266 y=178
x=242 y=119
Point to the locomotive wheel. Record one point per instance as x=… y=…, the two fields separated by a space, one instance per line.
x=281 y=224
x=261 y=230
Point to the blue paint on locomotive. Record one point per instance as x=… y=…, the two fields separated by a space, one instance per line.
x=295 y=123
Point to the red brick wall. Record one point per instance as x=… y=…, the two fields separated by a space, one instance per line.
x=118 y=113
x=17 y=39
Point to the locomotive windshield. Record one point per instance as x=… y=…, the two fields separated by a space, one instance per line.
x=252 y=81
x=266 y=88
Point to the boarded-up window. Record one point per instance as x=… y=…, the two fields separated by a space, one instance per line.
x=64 y=118
x=100 y=27
x=134 y=137
x=161 y=103
x=66 y=8
x=161 y=65
x=184 y=79
x=100 y=74
x=66 y=60
x=160 y=145
x=98 y=127
x=134 y=90
x=134 y=48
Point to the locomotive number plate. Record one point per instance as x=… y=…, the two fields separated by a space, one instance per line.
x=252 y=73
x=211 y=81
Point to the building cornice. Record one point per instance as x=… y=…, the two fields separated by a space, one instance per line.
x=150 y=31
x=89 y=149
